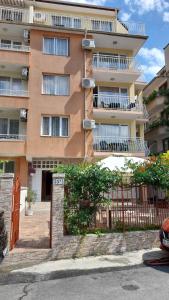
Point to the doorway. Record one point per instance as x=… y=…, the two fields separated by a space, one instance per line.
x=46 y=186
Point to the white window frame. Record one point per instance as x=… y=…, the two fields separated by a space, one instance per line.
x=58 y=38
x=50 y=126
x=12 y=43
x=8 y=128
x=64 y=95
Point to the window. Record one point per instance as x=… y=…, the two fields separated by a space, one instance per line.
x=68 y=22
x=11 y=15
x=8 y=126
x=165 y=145
x=7 y=84
x=54 y=126
x=56 y=85
x=102 y=25
x=56 y=46
x=7 y=166
x=114 y=130
x=8 y=44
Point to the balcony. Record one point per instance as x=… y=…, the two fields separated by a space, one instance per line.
x=116 y=68
x=12 y=47
x=12 y=137
x=14 y=93
x=56 y=19
x=15 y=15
x=12 y=133
x=12 y=145
x=119 y=145
x=106 y=106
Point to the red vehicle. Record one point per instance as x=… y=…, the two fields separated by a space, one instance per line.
x=164 y=235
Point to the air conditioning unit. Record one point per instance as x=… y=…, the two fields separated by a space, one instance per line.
x=39 y=17
x=23 y=114
x=25 y=73
x=88 y=124
x=88 y=83
x=26 y=35
x=88 y=44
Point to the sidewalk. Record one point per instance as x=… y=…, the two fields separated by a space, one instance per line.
x=74 y=267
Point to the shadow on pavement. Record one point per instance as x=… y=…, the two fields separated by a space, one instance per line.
x=157 y=255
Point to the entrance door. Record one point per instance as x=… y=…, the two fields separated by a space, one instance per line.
x=46 y=186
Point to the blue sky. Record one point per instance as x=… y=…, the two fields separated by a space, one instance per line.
x=155 y=15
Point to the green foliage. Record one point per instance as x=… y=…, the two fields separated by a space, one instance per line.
x=1 y=166
x=154 y=94
x=157 y=123
x=154 y=172
x=31 y=197
x=85 y=189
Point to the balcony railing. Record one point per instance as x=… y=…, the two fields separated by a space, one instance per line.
x=116 y=102
x=19 y=48
x=80 y=22
x=113 y=62
x=12 y=137
x=134 y=28
x=116 y=144
x=14 y=15
x=56 y=19
x=14 y=93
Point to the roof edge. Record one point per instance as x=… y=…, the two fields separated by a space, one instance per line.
x=66 y=3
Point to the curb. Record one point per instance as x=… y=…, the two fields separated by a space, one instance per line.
x=21 y=277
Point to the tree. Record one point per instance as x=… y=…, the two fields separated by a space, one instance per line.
x=153 y=172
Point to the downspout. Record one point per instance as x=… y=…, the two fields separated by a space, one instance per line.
x=85 y=96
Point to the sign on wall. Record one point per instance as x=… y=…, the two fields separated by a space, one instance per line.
x=58 y=181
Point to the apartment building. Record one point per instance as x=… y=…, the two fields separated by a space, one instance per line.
x=69 y=87
x=156 y=95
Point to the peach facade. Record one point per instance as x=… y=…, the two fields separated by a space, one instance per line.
x=115 y=102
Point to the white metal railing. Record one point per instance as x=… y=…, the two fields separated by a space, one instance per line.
x=113 y=62
x=15 y=93
x=11 y=137
x=21 y=15
x=134 y=28
x=116 y=102
x=117 y=144
x=15 y=15
x=12 y=47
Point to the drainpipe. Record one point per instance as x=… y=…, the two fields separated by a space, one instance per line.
x=85 y=96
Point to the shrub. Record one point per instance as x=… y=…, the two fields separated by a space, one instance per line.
x=86 y=186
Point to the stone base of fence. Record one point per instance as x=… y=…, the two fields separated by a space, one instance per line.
x=105 y=244
x=78 y=246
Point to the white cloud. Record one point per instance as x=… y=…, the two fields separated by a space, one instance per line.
x=125 y=16
x=166 y=17
x=152 y=60
x=144 y=6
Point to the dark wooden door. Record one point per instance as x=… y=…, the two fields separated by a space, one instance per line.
x=15 y=213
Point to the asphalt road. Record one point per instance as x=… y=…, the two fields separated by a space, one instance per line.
x=142 y=283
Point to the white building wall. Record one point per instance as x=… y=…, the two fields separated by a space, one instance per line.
x=37 y=183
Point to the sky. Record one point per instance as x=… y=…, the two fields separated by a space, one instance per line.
x=155 y=15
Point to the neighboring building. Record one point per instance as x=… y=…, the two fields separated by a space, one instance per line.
x=157 y=130
x=51 y=52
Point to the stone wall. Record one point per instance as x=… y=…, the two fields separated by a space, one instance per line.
x=6 y=184
x=76 y=246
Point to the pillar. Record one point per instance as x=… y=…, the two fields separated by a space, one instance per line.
x=6 y=188
x=57 y=210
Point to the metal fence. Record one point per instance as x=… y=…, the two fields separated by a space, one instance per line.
x=134 y=207
x=130 y=208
